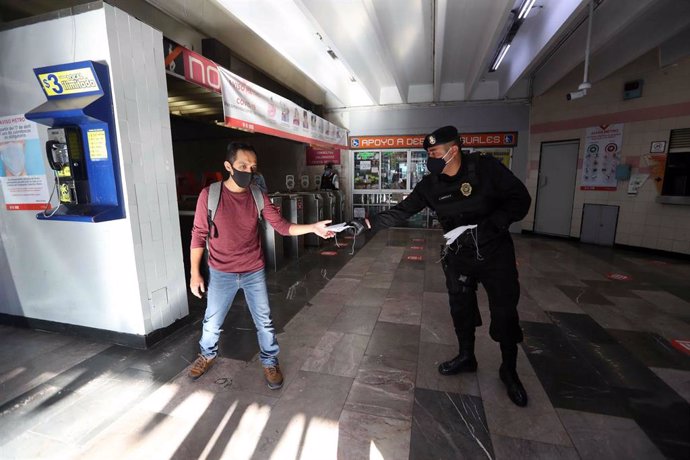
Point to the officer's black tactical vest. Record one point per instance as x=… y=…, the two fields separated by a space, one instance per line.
x=455 y=208
x=327 y=180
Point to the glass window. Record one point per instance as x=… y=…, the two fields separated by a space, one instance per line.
x=417 y=167
x=367 y=169
x=503 y=155
x=394 y=170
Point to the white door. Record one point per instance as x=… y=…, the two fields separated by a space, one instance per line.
x=556 y=188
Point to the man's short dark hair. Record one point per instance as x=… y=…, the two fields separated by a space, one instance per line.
x=329 y=165
x=234 y=147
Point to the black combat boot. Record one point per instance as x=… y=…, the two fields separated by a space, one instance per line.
x=464 y=362
x=508 y=373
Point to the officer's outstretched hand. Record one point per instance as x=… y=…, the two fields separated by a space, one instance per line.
x=320 y=229
x=360 y=225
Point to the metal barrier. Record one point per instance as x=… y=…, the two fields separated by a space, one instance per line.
x=272 y=241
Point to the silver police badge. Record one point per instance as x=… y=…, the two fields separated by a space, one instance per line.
x=466 y=189
x=432 y=140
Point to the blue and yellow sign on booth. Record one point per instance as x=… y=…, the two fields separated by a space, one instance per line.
x=81 y=146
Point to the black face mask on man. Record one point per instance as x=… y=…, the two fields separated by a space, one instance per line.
x=436 y=165
x=241 y=178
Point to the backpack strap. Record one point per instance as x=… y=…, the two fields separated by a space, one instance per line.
x=212 y=203
x=258 y=196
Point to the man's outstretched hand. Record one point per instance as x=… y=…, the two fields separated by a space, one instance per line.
x=320 y=229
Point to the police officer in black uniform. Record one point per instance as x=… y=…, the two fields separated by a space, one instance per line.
x=473 y=189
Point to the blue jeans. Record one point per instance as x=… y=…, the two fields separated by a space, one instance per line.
x=222 y=288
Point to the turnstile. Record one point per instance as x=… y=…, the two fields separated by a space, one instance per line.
x=313 y=212
x=272 y=241
x=339 y=206
x=293 y=211
x=328 y=205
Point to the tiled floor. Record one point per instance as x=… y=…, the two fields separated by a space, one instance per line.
x=361 y=337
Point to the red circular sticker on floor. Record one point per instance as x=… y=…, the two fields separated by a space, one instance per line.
x=329 y=253
x=415 y=258
x=619 y=277
x=682 y=345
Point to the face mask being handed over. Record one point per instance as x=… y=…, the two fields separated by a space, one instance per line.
x=241 y=178
x=436 y=165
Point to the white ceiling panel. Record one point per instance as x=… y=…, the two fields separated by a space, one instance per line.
x=347 y=53
x=427 y=51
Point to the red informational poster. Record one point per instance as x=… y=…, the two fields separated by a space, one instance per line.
x=319 y=156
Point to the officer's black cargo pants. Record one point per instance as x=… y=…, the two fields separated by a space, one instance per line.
x=497 y=272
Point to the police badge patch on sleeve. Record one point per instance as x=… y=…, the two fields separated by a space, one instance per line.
x=466 y=189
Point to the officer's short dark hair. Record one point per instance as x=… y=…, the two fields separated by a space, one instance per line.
x=329 y=165
x=234 y=147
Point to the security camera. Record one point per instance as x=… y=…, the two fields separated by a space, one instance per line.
x=581 y=91
x=576 y=94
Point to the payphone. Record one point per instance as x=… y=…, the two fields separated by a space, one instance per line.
x=81 y=146
x=66 y=157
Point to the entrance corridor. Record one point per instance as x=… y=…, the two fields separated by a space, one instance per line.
x=361 y=337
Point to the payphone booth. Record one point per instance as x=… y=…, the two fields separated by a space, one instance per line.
x=81 y=146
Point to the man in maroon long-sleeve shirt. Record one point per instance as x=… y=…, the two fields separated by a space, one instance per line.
x=236 y=261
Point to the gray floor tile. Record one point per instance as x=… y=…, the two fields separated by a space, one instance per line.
x=436 y=325
x=489 y=358
x=361 y=435
x=448 y=425
x=537 y=421
x=584 y=294
x=29 y=445
x=506 y=448
x=603 y=436
x=377 y=280
x=307 y=327
x=303 y=423
x=433 y=354
x=341 y=286
x=366 y=297
x=337 y=354
x=548 y=296
x=679 y=380
x=402 y=309
x=394 y=341
x=41 y=361
x=71 y=424
x=666 y=302
x=529 y=310
x=383 y=387
x=356 y=320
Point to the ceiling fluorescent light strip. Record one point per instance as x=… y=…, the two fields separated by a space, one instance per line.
x=526 y=7
x=500 y=57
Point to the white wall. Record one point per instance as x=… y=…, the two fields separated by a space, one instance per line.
x=663 y=106
x=124 y=275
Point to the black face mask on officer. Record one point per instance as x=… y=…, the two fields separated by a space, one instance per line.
x=437 y=165
x=241 y=178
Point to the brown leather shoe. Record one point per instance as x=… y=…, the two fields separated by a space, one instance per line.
x=273 y=376
x=200 y=366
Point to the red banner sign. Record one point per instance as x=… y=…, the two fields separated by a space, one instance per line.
x=201 y=71
x=500 y=139
x=316 y=156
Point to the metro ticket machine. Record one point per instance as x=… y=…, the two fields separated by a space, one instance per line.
x=81 y=147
